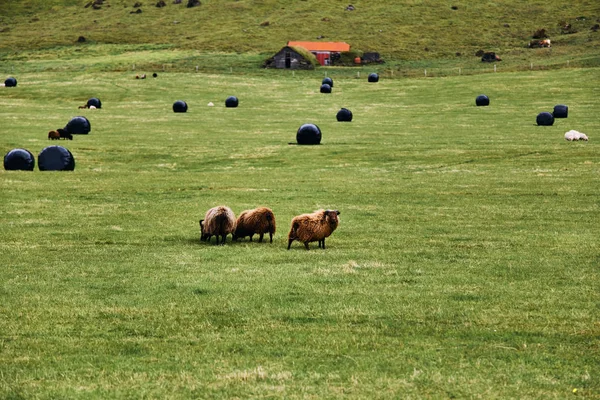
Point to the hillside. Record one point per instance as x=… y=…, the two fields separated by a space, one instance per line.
x=404 y=30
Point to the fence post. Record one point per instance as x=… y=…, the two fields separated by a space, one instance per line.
x=425 y=72
x=494 y=67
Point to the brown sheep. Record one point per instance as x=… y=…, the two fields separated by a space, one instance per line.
x=218 y=221
x=261 y=220
x=59 y=134
x=313 y=227
x=53 y=135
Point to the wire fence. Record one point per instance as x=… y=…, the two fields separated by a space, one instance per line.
x=243 y=66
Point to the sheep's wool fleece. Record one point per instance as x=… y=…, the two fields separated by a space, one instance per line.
x=575 y=135
x=311 y=227
x=212 y=218
x=256 y=220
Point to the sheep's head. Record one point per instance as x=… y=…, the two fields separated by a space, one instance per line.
x=332 y=216
x=202 y=236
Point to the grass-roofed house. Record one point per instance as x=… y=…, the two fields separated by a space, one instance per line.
x=292 y=57
x=307 y=55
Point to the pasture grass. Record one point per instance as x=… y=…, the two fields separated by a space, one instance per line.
x=465 y=264
x=403 y=30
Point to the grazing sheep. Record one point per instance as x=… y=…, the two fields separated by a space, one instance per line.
x=64 y=134
x=313 y=227
x=218 y=221
x=259 y=221
x=60 y=133
x=575 y=135
x=53 y=135
x=534 y=44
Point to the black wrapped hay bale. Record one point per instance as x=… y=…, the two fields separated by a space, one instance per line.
x=560 y=111
x=327 y=81
x=482 y=100
x=231 y=102
x=56 y=158
x=325 y=88
x=10 y=82
x=344 y=115
x=308 y=134
x=19 y=160
x=94 y=102
x=180 y=106
x=545 y=119
x=373 y=77
x=78 y=126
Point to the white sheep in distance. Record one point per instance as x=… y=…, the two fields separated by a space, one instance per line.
x=574 y=135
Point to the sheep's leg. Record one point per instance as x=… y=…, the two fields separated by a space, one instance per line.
x=251 y=237
x=323 y=243
x=290 y=243
x=271 y=237
x=306 y=245
x=223 y=239
x=260 y=238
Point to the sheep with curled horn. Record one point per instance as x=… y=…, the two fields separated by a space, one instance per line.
x=313 y=227
x=219 y=222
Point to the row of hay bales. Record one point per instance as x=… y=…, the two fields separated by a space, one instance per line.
x=544 y=118
x=181 y=106
x=51 y=158
x=307 y=134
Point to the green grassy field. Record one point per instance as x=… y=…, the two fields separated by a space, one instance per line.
x=409 y=34
x=465 y=264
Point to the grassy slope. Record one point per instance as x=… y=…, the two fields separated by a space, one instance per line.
x=401 y=30
x=465 y=264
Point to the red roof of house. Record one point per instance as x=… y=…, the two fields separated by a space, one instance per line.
x=322 y=46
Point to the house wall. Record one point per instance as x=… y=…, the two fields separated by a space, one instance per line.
x=296 y=61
